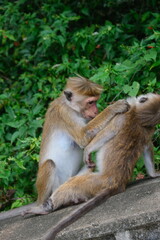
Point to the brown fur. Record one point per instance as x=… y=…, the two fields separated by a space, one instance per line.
x=84 y=86
x=43 y=177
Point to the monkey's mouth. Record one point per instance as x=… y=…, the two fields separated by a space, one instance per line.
x=89 y=118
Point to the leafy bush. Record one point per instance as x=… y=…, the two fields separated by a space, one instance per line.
x=114 y=43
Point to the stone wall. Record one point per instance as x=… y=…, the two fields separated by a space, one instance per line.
x=132 y=215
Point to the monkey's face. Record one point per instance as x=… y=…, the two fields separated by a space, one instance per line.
x=142 y=100
x=84 y=105
x=147 y=99
x=147 y=109
x=89 y=110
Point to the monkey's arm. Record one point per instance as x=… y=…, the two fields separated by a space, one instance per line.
x=149 y=161
x=100 y=121
x=98 y=141
x=104 y=136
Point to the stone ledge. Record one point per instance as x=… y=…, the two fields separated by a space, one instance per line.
x=132 y=215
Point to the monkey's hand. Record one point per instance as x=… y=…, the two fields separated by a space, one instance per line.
x=121 y=106
x=89 y=162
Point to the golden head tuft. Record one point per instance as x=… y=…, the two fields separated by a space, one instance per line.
x=84 y=86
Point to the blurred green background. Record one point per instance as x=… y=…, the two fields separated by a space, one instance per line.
x=115 y=43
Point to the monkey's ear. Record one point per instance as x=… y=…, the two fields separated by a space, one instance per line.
x=68 y=95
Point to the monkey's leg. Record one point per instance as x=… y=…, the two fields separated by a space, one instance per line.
x=82 y=210
x=149 y=161
x=78 y=189
x=46 y=182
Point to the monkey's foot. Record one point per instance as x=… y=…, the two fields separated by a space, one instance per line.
x=43 y=209
x=48 y=206
x=155 y=175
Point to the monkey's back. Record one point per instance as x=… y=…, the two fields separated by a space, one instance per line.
x=122 y=152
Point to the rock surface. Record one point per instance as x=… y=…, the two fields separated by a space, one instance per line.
x=132 y=215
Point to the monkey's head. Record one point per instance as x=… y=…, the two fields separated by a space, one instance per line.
x=81 y=95
x=147 y=108
x=149 y=102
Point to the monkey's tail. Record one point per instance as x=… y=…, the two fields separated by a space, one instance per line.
x=82 y=210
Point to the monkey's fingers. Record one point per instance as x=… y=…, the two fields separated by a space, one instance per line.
x=88 y=161
x=122 y=106
x=91 y=164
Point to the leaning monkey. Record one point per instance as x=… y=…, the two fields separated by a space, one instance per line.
x=119 y=146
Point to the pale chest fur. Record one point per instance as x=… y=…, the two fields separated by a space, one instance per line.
x=65 y=153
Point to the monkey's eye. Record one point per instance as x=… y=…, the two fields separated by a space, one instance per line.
x=91 y=102
x=143 y=99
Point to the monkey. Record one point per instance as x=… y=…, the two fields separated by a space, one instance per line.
x=119 y=145
x=60 y=136
x=64 y=137
x=64 y=133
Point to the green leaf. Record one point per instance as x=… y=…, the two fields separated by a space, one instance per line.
x=16 y=124
x=126 y=88
x=61 y=39
x=4 y=175
x=151 y=55
x=156 y=64
x=140 y=164
x=4 y=96
x=14 y=136
x=84 y=43
x=20 y=163
x=16 y=204
x=22 y=130
x=131 y=90
x=126 y=65
x=10 y=111
x=36 y=123
x=85 y=11
x=37 y=109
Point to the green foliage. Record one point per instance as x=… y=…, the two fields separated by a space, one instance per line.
x=114 y=43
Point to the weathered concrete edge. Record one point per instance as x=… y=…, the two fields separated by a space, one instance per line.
x=95 y=230
x=138 y=220
x=120 y=225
